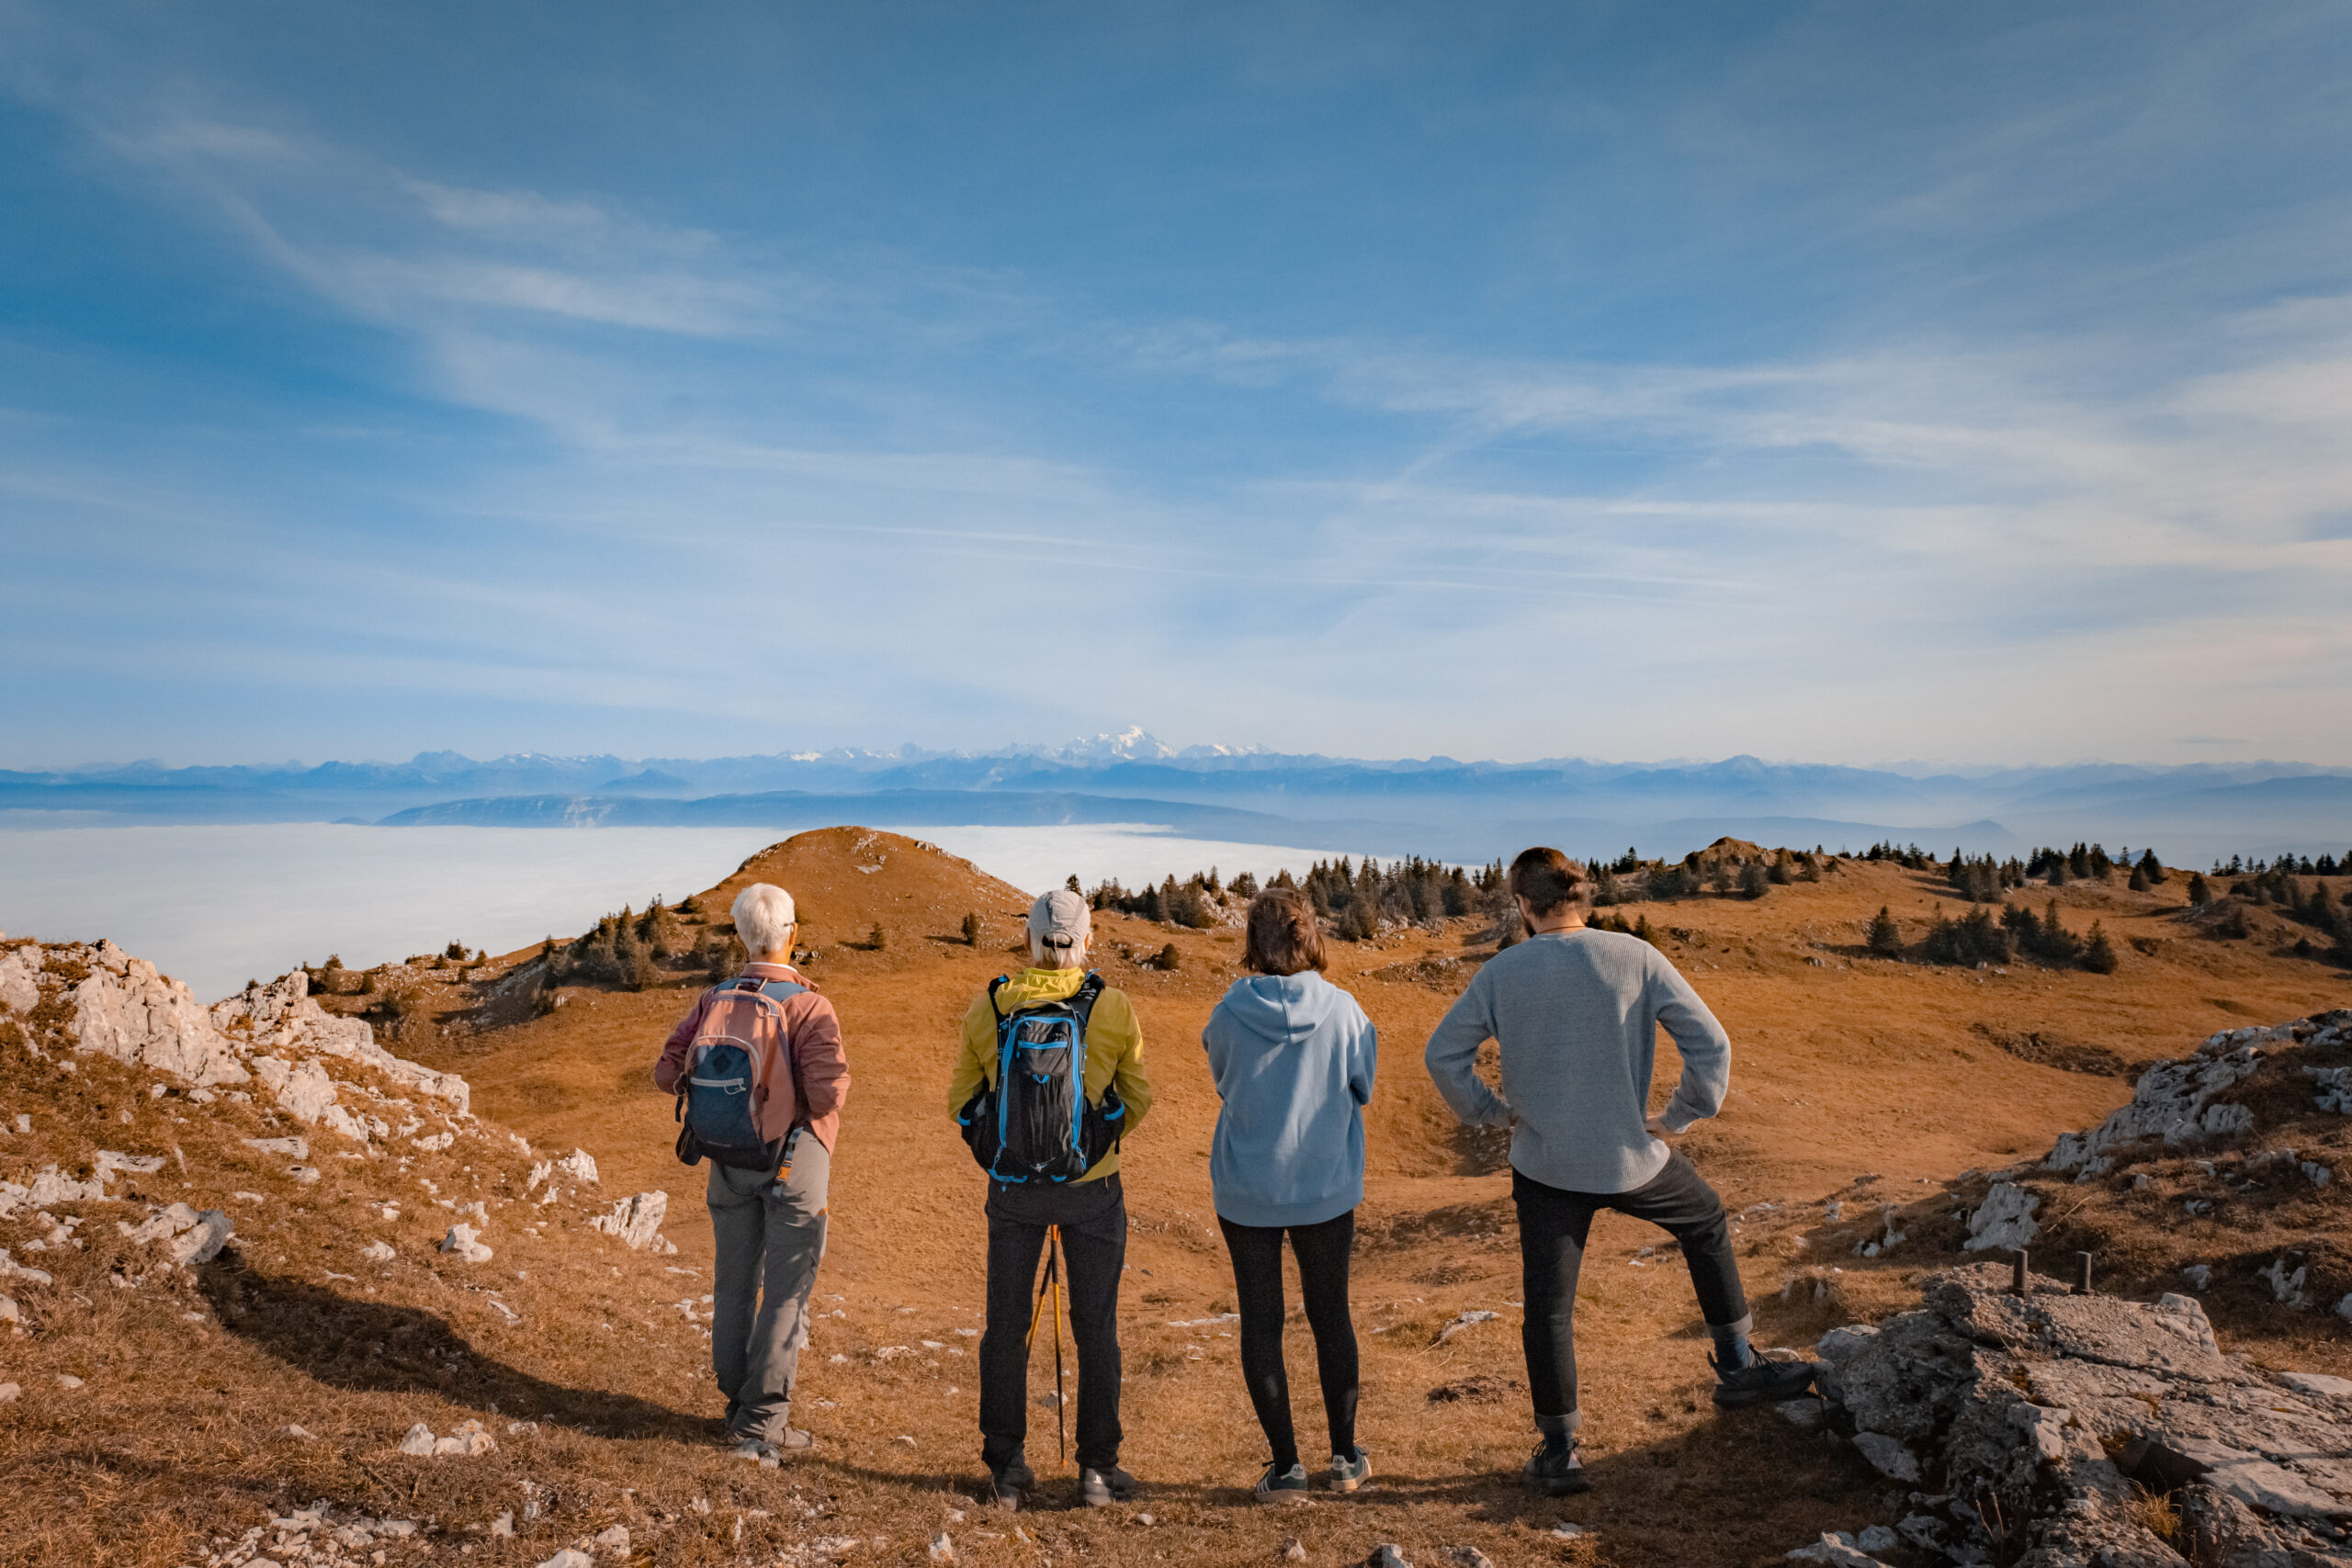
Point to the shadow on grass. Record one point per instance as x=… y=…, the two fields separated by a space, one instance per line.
x=379 y=1347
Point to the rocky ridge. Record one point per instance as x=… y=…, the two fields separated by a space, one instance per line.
x=2056 y=1427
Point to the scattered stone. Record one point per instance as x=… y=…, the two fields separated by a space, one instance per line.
x=637 y=1222
x=10 y=1393
x=292 y=1148
x=1887 y=1456
x=188 y=1236
x=67 y=1380
x=11 y=1315
x=942 y=1549
x=579 y=1164
x=2285 y=1288
x=464 y=1240
x=1463 y=1321
x=614 y=1538
x=503 y=1526
x=1803 y=1413
x=303 y=1174
x=11 y=1269
x=1387 y=1554
x=569 y=1557
x=1469 y=1557
x=1877 y=1537
x=378 y=1252
x=2199 y=1276
x=1292 y=1548
x=419 y=1440
x=1836 y=1547
x=1568 y=1530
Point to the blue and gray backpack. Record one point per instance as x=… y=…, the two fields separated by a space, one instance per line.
x=1034 y=1123
x=741 y=1051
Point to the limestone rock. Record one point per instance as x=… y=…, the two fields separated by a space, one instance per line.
x=579 y=1164
x=188 y=1235
x=419 y=1440
x=19 y=991
x=125 y=1009
x=464 y=1241
x=283 y=1016
x=636 y=1221
x=569 y=1557
x=941 y=1549
x=1468 y=1557
x=2050 y=1408
x=1387 y=1554
x=614 y=1538
x=2004 y=1219
x=1887 y=1456
x=378 y=1252
x=1292 y=1550
x=1836 y=1547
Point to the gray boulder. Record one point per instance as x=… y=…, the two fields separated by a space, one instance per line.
x=2032 y=1422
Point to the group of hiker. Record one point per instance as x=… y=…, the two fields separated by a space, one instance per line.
x=1048 y=1080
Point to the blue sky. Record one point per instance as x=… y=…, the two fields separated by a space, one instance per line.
x=1835 y=382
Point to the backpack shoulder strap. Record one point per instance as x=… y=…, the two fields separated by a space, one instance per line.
x=1083 y=1000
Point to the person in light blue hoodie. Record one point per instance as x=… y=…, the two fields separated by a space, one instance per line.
x=1293 y=1056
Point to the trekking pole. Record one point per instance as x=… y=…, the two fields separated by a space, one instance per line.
x=1050 y=1298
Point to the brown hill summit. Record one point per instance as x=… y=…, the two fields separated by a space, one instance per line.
x=292 y=1367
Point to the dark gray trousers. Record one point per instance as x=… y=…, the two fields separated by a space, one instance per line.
x=770 y=1237
x=1552 y=1226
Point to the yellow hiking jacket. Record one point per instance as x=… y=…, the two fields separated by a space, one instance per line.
x=1114 y=1046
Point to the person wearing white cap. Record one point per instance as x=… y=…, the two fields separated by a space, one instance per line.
x=1080 y=1195
x=768 y=1218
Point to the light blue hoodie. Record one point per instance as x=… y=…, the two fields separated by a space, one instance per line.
x=1293 y=1056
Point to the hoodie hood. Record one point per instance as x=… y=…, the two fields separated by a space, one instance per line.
x=1284 y=1009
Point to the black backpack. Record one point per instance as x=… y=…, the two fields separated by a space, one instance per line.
x=1035 y=1122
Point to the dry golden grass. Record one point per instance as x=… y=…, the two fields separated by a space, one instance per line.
x=1855 y=1078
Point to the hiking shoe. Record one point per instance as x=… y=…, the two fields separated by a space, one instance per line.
x=1351 y=1470
x=1101 y=1488
x=1008 y=1487
x=1557 y=1471
x=1761 y=1381
x=1278 y=1486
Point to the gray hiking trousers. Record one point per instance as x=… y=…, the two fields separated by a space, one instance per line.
x=770 y=1236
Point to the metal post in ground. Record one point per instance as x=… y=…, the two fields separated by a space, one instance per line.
x=2018 y=1275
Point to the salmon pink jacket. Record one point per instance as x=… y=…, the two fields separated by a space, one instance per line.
x=818 y=1085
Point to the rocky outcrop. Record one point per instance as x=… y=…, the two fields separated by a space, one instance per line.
x=283 y=1017
x=2028 y=1426
x=127 y=1011
x=2180 y=1104
x=122 y=1008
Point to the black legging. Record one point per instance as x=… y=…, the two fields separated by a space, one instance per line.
x=1322 y=1253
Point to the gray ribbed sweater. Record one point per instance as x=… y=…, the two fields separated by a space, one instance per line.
x=1575 y=1014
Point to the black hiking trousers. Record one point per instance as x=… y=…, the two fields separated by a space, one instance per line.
x=1552 y=1226
x=1322 y=1252
x=1093 y=1219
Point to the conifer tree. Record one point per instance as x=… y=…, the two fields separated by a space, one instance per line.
x=2151 y=867
x=2138 y=880
x=971 y=930
x=2099 y=953
x=1884 y=937
x=2200 y=892
x=1072 y=882
x=1752 y=882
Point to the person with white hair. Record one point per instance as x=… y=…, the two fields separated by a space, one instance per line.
x=767 y=1201
x=1047 y=1129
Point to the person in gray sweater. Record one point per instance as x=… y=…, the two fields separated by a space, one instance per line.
x=1576 y=1013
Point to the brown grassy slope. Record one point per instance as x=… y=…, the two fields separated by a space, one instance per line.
x=1857 y=1065
x=1847 y=1068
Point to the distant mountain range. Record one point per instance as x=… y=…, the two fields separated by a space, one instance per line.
x=1434 y=806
